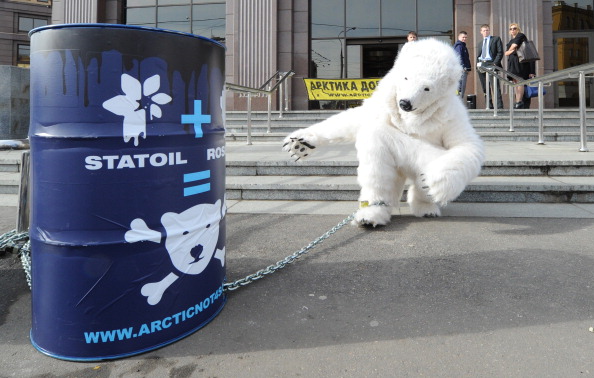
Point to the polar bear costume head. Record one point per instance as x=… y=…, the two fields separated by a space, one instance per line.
x=423 y=80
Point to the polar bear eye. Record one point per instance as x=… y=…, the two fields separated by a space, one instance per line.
x=426 y=89
x=186 y=232
x=208 y=225
x=406 y=78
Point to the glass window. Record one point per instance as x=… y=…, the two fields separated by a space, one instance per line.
x=23 y=55
x=209 y=20
x=398 y=17
x=354 y=67
x=569 y=15
x=139 y=3
x=174 y=2
x=327 y=18
x=38 y=22
x=28 y=23
x=364 y=16
x=325 y=56
x=25 y=23
x=141 y=17
x=174 y=17
x=435 y=17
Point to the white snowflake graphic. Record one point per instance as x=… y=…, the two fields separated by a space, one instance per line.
x=129 y=105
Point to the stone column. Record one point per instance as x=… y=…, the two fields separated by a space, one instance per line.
x=252 y=30
x=14 y=102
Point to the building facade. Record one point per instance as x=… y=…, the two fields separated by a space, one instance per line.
x=351 y=38
x=17 y=18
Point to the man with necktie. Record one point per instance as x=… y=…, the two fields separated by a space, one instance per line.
x=490 y=51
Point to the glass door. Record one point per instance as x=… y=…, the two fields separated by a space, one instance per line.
x=572 y=49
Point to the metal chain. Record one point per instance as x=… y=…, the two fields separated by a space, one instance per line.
x=15 y=240
x=18 y=242
x=287 y=260
x=26 y=261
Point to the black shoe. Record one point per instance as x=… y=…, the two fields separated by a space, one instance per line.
x=519 y=105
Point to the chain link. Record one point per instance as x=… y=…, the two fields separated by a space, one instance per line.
x=20 y=242
x=287 y=260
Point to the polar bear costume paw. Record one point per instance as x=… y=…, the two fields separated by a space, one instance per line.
x=424 y=209
x=372 y=215
x=440 y=186
x=299 y=145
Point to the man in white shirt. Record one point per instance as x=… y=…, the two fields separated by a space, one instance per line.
x=490 y=51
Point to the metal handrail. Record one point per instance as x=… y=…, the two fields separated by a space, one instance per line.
x=265 y=89
x=580 y=72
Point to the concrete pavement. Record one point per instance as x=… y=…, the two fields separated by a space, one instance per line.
x=486 y=292
x=463 y=297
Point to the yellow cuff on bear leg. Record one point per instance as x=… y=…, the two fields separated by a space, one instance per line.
x=364 y=204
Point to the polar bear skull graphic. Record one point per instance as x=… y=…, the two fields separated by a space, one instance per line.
x=191 y=242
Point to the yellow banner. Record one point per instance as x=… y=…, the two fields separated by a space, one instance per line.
x=340 y=89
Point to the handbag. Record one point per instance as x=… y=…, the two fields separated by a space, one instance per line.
x=527 y=52
x=530 y=91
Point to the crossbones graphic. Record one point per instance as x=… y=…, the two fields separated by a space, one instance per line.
x=191 y=241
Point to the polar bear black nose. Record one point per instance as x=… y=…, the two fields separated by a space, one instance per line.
x=405 y=105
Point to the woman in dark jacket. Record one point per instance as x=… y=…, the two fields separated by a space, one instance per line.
x=523 y=70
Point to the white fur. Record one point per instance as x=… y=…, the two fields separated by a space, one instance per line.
x=433 y=145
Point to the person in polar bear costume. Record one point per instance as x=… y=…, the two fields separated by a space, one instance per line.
x=415 y=127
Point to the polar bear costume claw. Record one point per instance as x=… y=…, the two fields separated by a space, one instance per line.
x=414 y=128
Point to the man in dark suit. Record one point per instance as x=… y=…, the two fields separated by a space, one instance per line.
x=492 y=54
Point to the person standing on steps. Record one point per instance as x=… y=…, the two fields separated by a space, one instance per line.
x=490 y=51
x=523 y=70
x=460 y=47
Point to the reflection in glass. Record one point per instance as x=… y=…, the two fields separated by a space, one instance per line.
x=173 y=2
x=571 y=52
x=364 y=16
x=141 y=17
x=398 y=17
x=209 y=20
x=325 y=56
x=137 y=3
x=174 y=17
x=577 y=15
x=327 y=18
x=435 y=17
x=23 y=55
x=354 y=69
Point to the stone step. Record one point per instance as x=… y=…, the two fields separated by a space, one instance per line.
x=502 y=126
x=11 y=200
x=559 y=124
x=514 y=172
x=9 y=182
x=584 y=168
x=10 y=160
x=561 y=112
x=520 y=136
x=475 y=115
x=488 y=189
x=493 y=189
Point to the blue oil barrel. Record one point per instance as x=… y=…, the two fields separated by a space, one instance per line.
x=128 y=188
